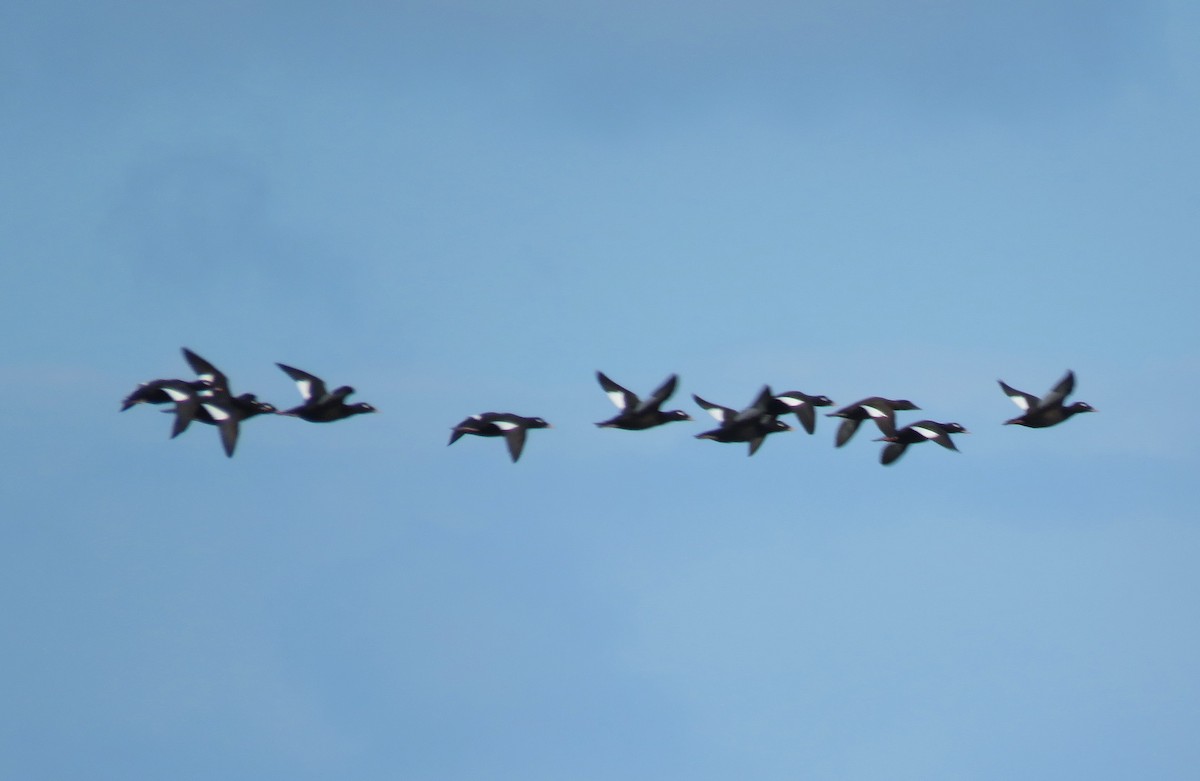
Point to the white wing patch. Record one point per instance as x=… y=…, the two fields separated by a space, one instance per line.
x=1024 y=401
x=1021 y=402
x=218 y=414
x=719 y=413
x=876 y=412
x=789 y=401
x=306 y=388
x=928 y=433
x=617 y=398
x=505 y=425
x=176 y=394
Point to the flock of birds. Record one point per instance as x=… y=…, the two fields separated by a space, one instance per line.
x=208 y=399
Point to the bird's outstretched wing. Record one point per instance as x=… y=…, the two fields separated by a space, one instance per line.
x=311 y=386
x=622 y=398
x=722 y=415
x=1024 y=401
x=1059 y=392
x=205 y=370
x=661 y=394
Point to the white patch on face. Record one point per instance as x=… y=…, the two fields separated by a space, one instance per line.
x=928 y=433
x=617 y=398
x=505 y=425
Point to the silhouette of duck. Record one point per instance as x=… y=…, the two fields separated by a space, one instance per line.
x=321 y=405
x=1048 y=410
x=636 y=414
x=752 y=424
x=876 y=408
x=499 y=424
x=921 y=431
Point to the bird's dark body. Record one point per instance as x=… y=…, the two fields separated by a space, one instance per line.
x=499 y=424
x=637 y=414
x=1048 y=410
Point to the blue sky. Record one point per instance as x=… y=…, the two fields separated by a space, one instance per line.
x=462 y=206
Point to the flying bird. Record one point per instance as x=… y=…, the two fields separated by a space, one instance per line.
x=206 y=371
x=228 y=413
x=162 y=392
x=921 y=431
x=637 y=414
x=877 y=408
x=752 y=424
x=320 y=405
x=1048 y=410
x=208 y=380
x=499 y=424
x=801 y=404
x=216 y=404
x=186 y=398
x=185 y=395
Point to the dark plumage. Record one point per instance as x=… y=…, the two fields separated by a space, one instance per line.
x=186 y=399
x=244 y=406
x=186 y=395
x=877 y=408
x=218 y=406
x=753 y=424
x=226 y=415
x=800 y=403
x=205 y=371
x=499 y=424
x=921 y=431
x=637 y=415
x=1049 y=410
x=208 y=380
x=321 y=405
x=156 y=392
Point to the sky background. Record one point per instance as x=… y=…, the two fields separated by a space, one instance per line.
x=468 y=206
